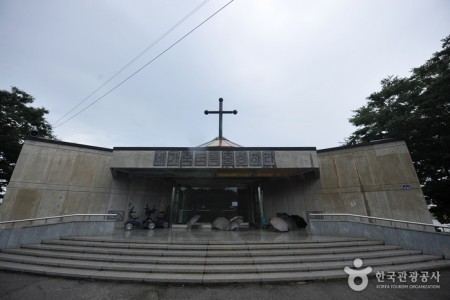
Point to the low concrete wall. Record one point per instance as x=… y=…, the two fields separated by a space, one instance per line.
x=434 y=243
x=16 y=237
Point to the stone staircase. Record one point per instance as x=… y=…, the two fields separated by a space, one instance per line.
x=211 y=261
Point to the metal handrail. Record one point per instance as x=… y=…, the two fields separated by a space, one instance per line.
x=56 y=217
x=378 y=218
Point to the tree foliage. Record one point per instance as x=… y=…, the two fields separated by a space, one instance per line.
x=17 y=120
x=417 y=110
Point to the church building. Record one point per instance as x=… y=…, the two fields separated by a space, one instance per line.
x=216 y=179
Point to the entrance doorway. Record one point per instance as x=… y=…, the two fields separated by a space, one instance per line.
x=211 y=202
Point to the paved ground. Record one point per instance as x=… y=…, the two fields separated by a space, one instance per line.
x=24 y=286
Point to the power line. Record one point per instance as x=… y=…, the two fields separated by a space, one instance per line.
x=151 y=61
x=132 y=61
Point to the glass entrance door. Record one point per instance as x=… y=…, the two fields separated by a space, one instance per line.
x=211 y=203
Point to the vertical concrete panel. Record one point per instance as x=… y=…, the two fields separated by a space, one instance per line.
x=328 y=175
x=368 y=168
x=98 y=203
x=314 y=202
x=354 y=203
x=405 y=157
x=118 y=202
x=290 y=197
x=333 y=203
x=8 y=204
x=402 y=207
x=372 y=199
x=311 y=190
x=300 y=206
x=422 y=209
x=408 y=172
x=297 y=199
x=103 y=177
x=278 y=197
x=62 y=167
x=311 y=186
x=51 y=204
x=26 y=204
x=84 y=169
x=38 y=164
x=76 y=203
x=379 y=206
x=20 y=167
x=390 y=165
x=345 y=168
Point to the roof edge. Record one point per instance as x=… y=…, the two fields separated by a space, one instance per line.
x=214 y=148
x=56 y=142
x=372 y=143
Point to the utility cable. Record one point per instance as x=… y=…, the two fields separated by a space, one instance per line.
x=132 y=61
x=151 y=61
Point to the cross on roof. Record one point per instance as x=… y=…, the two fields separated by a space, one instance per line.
x=220 y=112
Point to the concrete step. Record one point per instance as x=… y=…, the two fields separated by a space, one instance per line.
x=201 y=268
x=206 y=278
x=42 y=253
x=210 y=262
x=310 y=240
x=231 y=247
x=209 y=253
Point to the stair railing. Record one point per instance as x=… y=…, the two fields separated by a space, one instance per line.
x=61 y=217
x=445 y=228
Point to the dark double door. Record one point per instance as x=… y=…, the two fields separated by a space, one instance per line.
x=213 y=202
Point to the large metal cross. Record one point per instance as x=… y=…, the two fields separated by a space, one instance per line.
x=220 y=112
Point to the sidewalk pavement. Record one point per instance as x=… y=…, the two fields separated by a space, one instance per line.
x=18 y=286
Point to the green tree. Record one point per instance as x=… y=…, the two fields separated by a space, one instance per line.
x=416 y=109
x=17 y=120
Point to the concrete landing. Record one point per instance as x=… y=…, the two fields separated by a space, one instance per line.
x=205 y=235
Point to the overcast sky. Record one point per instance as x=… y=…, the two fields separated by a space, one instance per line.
x=294 y=70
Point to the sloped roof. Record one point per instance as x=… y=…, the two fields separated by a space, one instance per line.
x=217 y=142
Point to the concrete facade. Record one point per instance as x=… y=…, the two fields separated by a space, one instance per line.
x=58 y=178
x=376 y=180
x=54 y=178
